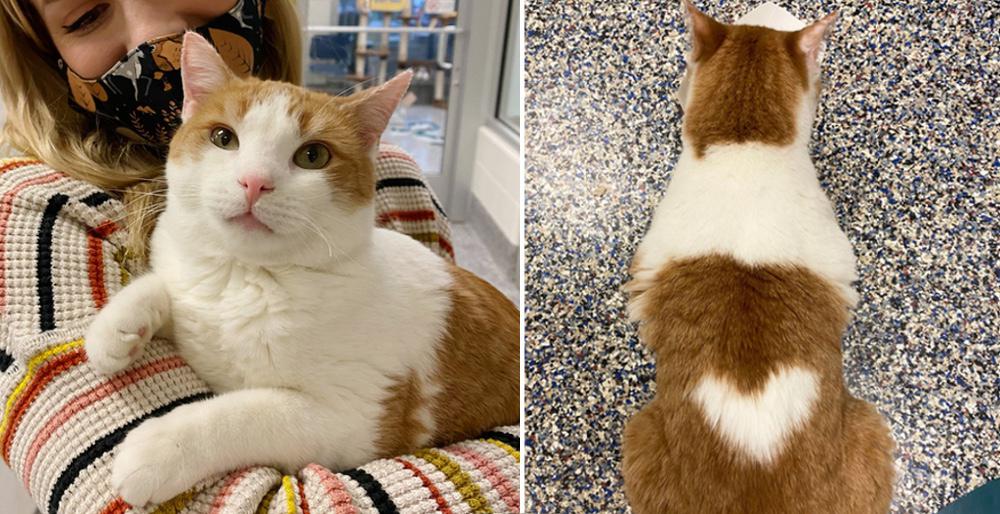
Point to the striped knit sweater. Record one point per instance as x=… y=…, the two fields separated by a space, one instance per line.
x=61 y=258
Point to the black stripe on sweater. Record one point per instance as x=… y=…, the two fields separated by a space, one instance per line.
x=6 y=360
x=95 y=199
x=374 y=490
x=503 y=437
x=408 y=182
x=104 y=445
x=46 y=301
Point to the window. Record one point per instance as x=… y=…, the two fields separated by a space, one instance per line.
x=509 y=101
x=359 y=44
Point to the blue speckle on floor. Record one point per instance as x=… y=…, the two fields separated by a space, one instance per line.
x=906 y=144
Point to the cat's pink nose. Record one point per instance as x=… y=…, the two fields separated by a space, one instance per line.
x=255 y=186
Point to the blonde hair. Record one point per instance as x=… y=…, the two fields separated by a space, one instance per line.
x=41 y=123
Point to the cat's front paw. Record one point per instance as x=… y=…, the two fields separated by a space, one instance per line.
x=149 y=466
x=117 y=336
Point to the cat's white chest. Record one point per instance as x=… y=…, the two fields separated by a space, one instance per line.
x=350 y=327
x=243 y=328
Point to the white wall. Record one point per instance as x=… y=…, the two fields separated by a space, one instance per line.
x=496 y=181
x=511 y=104
x=323 y=12
x=13 y=499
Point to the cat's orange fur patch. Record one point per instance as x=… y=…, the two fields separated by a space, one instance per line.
x=715 y=315
x=749 y=82
x=321 y=117
x=400 y=430
x=474 y=389
x=479 y=388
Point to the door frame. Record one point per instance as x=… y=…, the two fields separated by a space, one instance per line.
x=479 y=45
x=479 y=54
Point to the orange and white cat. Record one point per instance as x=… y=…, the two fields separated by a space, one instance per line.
x=743 y=288
x=327 y=339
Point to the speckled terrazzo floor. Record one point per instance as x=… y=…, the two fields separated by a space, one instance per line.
x=906 y=144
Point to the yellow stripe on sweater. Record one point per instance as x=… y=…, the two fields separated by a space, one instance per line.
x=426 y=237
x=265 y=504
x=175 y=505
x=463 y=482
x=286 y=482
x=33 y=366
x=505 y=447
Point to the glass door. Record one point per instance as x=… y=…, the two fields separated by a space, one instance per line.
x=356 y=44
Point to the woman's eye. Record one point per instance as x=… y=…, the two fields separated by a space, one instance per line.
x=224 y=138
x=312 y=156
x=87 y=19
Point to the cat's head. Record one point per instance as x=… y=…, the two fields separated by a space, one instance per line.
x=748 y=83
x=273 y=172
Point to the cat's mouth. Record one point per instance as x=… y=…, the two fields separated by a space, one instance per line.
x=250 y=222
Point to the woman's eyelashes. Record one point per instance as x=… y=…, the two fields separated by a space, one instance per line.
x=88 y=20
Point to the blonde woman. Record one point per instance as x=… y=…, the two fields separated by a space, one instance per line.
x=91 y=90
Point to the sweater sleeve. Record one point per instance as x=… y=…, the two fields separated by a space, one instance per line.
x=404 y=203
x=61 y=259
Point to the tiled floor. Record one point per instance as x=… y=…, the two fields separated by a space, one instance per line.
x=906 y=144
x=13 y=498
x=472 y=254
x=419 y=129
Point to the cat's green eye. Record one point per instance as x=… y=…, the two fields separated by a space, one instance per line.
x=224 y=138
x=312 y=156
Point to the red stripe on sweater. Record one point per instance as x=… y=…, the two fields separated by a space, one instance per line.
x=90 y=397
x=95 y=270
x=446 y=245
x=418 y=215
x=220 y=501
x=105 y=229
x=95 y=261
x=46 y=374
x=302 y=496
x=117 y=506
x=17 y=164
x=340 y=499
x=442 y=504
x=6 y=207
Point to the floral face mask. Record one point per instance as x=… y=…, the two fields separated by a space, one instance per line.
x=141 y=95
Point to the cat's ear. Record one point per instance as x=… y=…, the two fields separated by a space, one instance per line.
x=810 y=40
x=202 y=71
x=377 y=105
x=707 y=34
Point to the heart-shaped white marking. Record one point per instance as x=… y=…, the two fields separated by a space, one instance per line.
x=759 y=423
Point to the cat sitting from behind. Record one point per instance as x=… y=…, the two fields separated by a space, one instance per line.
x=327 y=340
x=742 y=288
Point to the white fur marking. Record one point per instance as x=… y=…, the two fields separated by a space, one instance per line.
x=759 y=424
x=759 y=204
